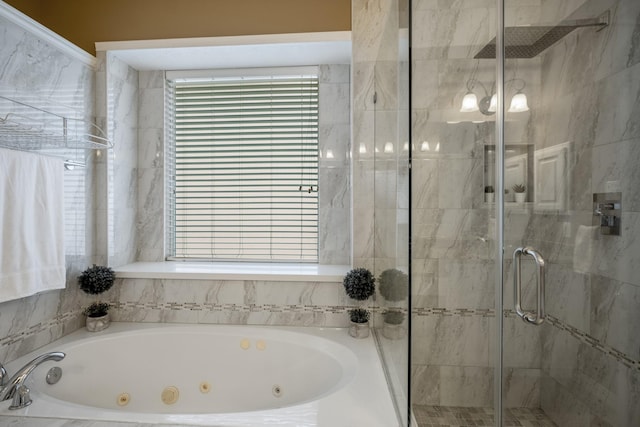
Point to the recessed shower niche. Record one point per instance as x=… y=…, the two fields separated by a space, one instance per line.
x=518 y=173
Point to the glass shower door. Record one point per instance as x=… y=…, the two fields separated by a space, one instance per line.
x=570 y=161
x=453 y=222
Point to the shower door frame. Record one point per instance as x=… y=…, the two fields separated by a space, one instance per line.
x=499 y=207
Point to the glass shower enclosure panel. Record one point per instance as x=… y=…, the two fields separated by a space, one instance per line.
x=453 y=203
x=571 y=156
x=390 y=152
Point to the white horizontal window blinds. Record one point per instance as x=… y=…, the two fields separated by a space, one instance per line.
x=246 y=169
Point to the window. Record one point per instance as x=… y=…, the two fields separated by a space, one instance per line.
x=243 y=168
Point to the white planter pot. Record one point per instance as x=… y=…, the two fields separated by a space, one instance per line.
x=521 y=197
x=96 y=324
x=393 y=331
x=359 y=330
x=488 y=197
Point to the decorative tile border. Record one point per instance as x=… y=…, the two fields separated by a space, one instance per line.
x=39 y=327
x=17 y=337
x=246 y=308
x=585 y=338
x=459 y=312
x=242 y=308
x=595 y=343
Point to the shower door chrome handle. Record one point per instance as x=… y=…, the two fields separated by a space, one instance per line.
x=537 y=317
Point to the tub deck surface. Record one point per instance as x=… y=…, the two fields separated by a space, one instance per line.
x=365 y=401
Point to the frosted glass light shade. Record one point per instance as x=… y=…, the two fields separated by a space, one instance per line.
x=519 y=103
x=469 y=103
x=493 y=105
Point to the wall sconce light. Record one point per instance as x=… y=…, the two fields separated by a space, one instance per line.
x=488 y=104
x=425 y=146
x=518 y=103
x=388 y=147
x=469 y=103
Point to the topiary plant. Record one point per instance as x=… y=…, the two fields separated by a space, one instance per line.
x=96 y=279
x=96 y=309
x=359 y=284
x=393 y=285
x=359 y=315
x=394 y=317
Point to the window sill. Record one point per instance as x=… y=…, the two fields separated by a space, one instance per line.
x=233 y=271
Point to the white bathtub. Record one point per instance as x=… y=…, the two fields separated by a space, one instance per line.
x=213 y=375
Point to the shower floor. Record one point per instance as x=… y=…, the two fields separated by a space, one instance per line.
x=454 y=416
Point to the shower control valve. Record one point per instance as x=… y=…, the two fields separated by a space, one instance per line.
x=607 y=212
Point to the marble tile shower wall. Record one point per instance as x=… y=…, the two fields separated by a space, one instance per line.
x=380 y=152
x=582 y=366
x=36 y=72
x=452 y=228
x=380 y=140
x=591 y=97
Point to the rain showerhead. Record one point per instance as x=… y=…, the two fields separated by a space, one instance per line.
x=530 y=41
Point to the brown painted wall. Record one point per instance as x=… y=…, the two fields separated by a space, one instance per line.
x=85 y=22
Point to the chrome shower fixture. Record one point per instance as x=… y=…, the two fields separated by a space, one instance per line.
x=530 y=41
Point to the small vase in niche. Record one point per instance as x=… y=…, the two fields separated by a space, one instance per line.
x=520 y=194
x=489 y=194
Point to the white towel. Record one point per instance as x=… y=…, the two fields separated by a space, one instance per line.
x=583 y=248
x=31 y=224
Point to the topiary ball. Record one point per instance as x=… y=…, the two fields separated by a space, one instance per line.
x=393 y=285
x=359 y=284
x=96 y=280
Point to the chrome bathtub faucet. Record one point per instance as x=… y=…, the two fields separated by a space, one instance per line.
x=15 y=387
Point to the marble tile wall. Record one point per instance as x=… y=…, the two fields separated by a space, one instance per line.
x=334 y=197
x=118 y=95
x=231 y=302
x=37 y=72
x=590 y=98
x=150 y=203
